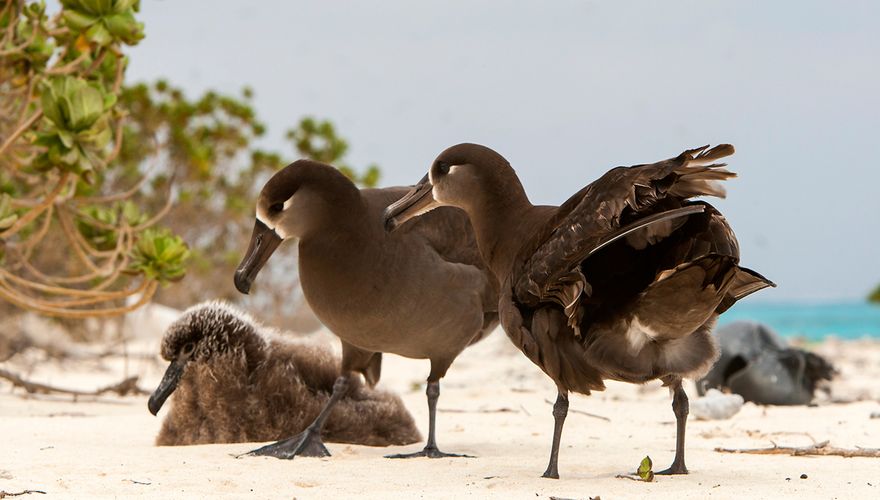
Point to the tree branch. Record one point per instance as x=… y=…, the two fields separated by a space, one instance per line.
x=20 y=130
x=36 y=211
x=17 y=299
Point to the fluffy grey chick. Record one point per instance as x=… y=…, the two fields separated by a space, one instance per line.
x=235 y=380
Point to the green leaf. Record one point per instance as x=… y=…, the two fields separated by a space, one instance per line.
x=35 y=10
x=51 y=109
x=8 y=221
x=132 y=214
x=70 y=103
x=80 y=128
x=86 y=107
x=109 y=100
x=99 y=34
x=7 y=216
x=104 y=6
x=78 y=21
x=123 y=5
x=159 y=255
x=645 y=471
x=66 y=138
x=124 y=26
x=103 y=21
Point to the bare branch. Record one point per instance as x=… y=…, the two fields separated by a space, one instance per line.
x=19 y=48
x=36 y=211
x=20 y=130
x=28 y=303
x=69 y=67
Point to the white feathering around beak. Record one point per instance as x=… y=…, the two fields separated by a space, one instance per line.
x=435 y=193
x=262 y=217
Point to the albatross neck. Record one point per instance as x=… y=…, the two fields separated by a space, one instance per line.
x=501 y=220
x=344 y=240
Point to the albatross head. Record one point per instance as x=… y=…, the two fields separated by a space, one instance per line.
x=298 y=200
x=459 y=177
x=202 y=332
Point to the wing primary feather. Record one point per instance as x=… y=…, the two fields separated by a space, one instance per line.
x=647 y=221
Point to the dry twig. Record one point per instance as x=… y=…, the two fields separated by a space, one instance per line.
x=818 y=449
x=127 y=386
x=492 y=410
x=4 y=494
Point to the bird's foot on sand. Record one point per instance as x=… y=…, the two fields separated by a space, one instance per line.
x=305 y=444
x=675 y=468
x=429 y=452
x=551 y=473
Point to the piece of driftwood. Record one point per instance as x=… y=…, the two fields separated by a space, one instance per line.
x=495 y=410
x=4 y=494
x=127 y=386
x=818 y=449
x=631 y=477
x=572 y=410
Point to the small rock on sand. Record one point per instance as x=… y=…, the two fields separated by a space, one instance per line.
x=716 y=405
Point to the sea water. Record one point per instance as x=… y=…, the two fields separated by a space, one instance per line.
x=814 y=321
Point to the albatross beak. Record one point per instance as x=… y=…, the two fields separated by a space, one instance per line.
x=264 y=241
x=416 y=202
x=167 y=385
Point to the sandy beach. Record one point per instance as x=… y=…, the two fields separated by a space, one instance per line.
x=494 y=405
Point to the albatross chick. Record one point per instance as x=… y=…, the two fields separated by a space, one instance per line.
x=235 y=380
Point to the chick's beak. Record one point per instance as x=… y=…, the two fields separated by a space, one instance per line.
x=414 y=203
x=167 y=385
x=264 y=241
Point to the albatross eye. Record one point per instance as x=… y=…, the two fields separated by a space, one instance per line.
x=276 y=207
x=188 y=348
x=442 y=168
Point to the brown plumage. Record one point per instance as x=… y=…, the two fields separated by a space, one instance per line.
x=242 y=382
x=423 y=292
x=624 y=281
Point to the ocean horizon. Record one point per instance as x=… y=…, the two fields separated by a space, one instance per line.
x=811 y=320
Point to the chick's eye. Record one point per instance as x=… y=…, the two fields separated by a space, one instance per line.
x=276 y=207
x=188 y=348
x=442 y=168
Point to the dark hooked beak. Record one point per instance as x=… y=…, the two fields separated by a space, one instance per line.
x=167 y=385
x=264 y=241
x=416 y=202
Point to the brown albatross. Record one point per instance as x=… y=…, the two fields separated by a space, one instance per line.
x=624 y=281
x=423 y=292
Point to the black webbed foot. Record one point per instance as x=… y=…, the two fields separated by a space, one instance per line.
x=429 y=452
x=675 y=468
x=551 y=473
x=305 y=444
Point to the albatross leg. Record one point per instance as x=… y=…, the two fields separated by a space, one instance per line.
x=430 y=450
x=307 y=443
x=680 y=408
x=560 y=410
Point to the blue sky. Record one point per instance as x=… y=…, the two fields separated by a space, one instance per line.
x=567 y=89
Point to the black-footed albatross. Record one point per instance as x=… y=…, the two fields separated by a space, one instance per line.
x=421 y=293
x=234 y=380
x=624 y=281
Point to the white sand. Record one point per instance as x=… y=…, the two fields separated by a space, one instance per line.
x=492 y=405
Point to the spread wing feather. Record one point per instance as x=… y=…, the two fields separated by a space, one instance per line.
x=604 y=209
